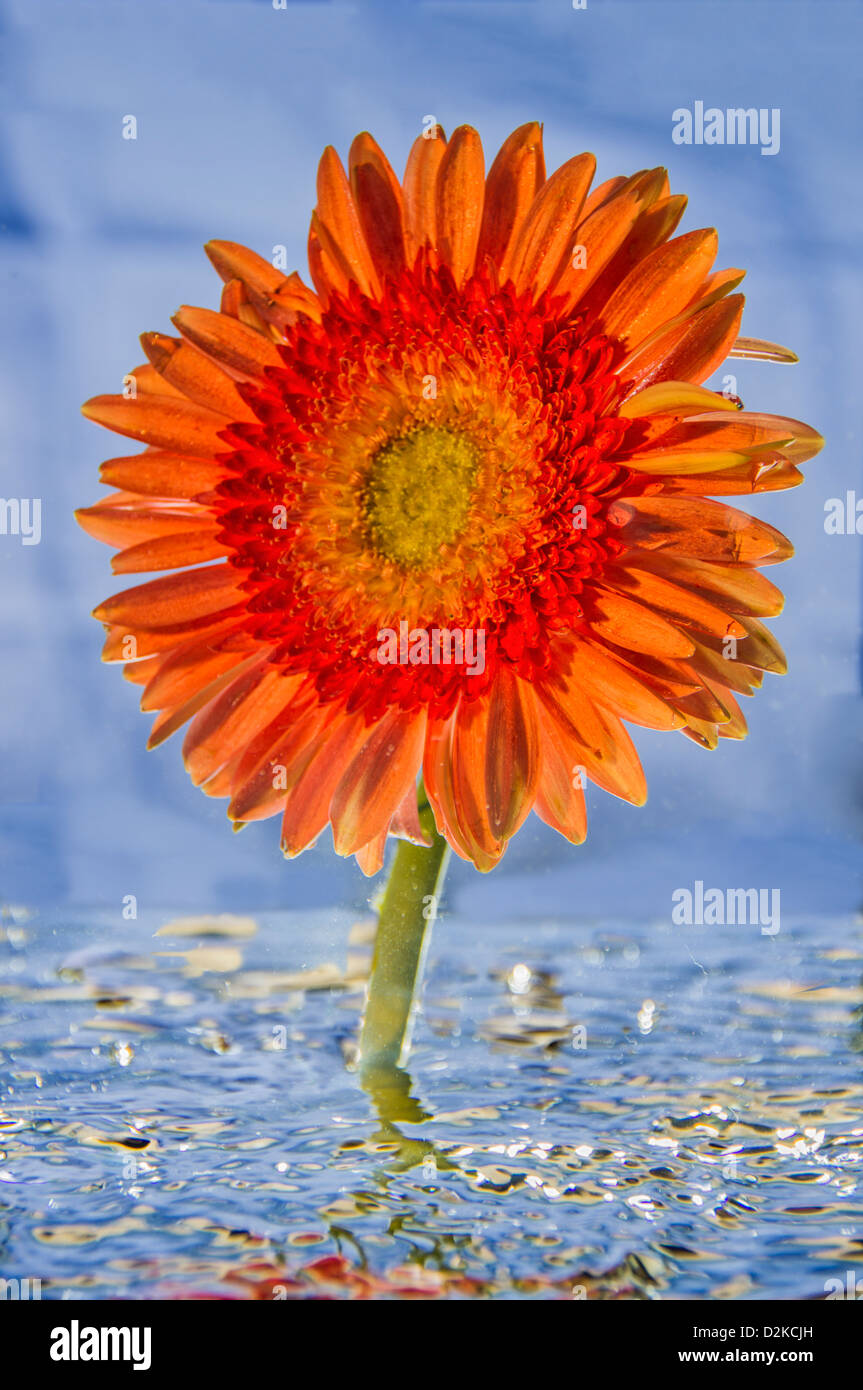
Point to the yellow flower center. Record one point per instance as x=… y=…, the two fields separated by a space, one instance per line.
x=418 y=494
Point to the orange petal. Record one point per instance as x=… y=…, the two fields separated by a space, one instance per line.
x=285 y=305
x=276 y=297
x=170 y=552
x=276 y=757
x=236 y=347
x=187 y=671
x=674 y=398
x=270 y=317
x=628 y=624
x=689 y=349
x=438 y=782
x=140 y=672
x=598 y=238
x=614 y=687
x=603 y=193
x=654 y=185
x=123 y=645
x=594 y=743
x=736 y=726
x=753 y=430
x=659 y=287
x=236 y=304
x=759 y=648
x=718 y=285
x=495 y=765
x=702 y=733
x=668 y=678
x=235 y=262
x=146 y=381
x=378 y=197
x=338 y=213
x=330 y=267
x=178 y=598
x=733 y=674
x=233 y=298
x=735 y=588
x=678 y=463
x=655 y=224
x=157 y=473
x=752 y=477
x=743 y=430
x=560 y=796
x=459 y=201
x=420 y=197
x=172 y=719
x=221 y=782
x=406 y=821
x=116 y=522
x=307 y=807
x=758 y=350
x=328 y=273
x=699 y=529
x=164 y=421
x=514 y=180
x=378 y=779
x=189 y=371
x=230 y=721
x=777 y=476
x=370 y=858
x=547 y=236
x=704 y=706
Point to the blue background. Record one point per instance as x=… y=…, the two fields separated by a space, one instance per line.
x=234 y=102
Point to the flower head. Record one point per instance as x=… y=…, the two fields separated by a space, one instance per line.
x=449 y=511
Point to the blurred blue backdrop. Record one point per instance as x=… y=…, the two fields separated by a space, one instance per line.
x=234 y=102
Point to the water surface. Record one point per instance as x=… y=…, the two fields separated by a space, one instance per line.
x=632 y=1110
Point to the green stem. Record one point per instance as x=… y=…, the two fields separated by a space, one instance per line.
x=404 y=926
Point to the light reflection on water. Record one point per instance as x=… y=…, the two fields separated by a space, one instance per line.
x=627 y=1110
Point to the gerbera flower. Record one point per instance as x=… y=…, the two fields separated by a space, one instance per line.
x=486 y=419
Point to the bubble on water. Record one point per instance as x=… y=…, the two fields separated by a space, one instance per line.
x=646 y=1016
x=519 y=978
